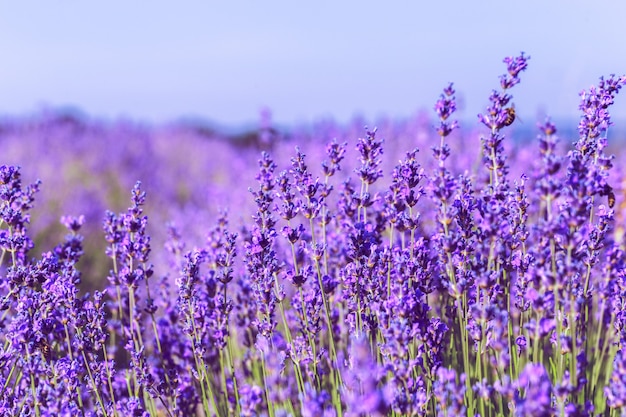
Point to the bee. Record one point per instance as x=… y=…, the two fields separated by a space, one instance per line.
x=510 y=115
x=44 y=348
x=611 y=198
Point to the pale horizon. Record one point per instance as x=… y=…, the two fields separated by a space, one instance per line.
x=224 y=63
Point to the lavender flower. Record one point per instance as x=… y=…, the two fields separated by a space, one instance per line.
x=535 y=392
x=502 y=293
x=362 y=394
x=449 y=392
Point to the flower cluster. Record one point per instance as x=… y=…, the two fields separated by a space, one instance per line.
x=448 y=288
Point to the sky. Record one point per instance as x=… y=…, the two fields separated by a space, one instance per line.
x=224 y=61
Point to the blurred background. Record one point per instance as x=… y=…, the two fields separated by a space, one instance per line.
x=183 y=97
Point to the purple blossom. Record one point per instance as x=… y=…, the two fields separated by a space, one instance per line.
x=362 y=376
x=534 y=392
x=502 y=293
x=449 y=391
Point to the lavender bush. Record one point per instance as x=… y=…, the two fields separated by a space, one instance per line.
x=342 y=283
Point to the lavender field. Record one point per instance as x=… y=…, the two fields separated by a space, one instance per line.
x=422 y=267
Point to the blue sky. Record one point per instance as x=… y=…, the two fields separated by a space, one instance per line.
x=223 y=61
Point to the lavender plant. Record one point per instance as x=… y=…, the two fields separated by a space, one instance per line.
x=348 y=282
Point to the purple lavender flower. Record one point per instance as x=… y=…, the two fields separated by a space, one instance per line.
x=317 y=404
x=534 y=396
x=362 y=377
x=16 y=202
x=449 y=391
x=502 y=293
x=616 y=390
x=250 y=398
x=261 y=260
